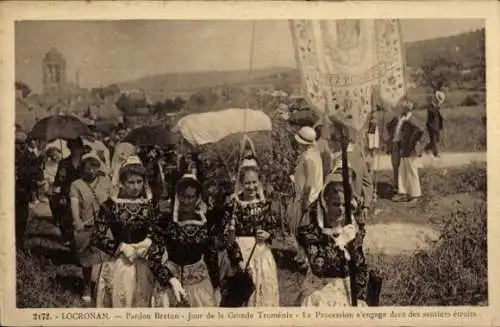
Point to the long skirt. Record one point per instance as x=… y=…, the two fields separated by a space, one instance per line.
x=122 y=284
x=88 y=256
x=225 y=267
x=264 y=273
x=335 y=293
x=374 y=140
x=196 y=282
x=408 y=181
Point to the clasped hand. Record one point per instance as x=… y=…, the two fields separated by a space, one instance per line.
x=262 y=235
x=134 y=251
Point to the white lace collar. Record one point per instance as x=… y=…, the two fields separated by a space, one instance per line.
x=259 y=199
x=143 y=199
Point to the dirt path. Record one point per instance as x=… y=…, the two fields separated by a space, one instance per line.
x=398 y=238
x=383 y=162
x=404 y=238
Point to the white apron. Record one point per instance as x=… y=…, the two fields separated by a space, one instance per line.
x=264 y=273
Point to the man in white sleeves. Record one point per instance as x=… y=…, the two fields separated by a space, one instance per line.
x=307 y=179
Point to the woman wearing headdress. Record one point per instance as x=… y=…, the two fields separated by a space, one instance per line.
x=248 y=216
x=324 y=242
x=123 y=229
x=122 y=151
x=190 y=255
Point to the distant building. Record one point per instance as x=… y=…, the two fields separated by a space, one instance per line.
x=54 y=72
x=61 y=96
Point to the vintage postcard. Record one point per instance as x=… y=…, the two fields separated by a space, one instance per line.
x=249 y=163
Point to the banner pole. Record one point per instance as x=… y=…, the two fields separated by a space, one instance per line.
x=344 y=140
x=348 y=213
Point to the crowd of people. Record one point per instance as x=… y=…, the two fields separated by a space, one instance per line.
x=145 y=234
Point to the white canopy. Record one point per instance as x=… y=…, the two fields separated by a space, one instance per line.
x=211 y=127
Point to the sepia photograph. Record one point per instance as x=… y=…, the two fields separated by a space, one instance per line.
x=234 y=194
x=250 y=164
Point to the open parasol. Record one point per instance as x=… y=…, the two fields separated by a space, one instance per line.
x=59 y=127
x=151 y=135
x=211 y=127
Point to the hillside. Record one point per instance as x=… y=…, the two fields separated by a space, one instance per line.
x=163 y=85
x=466 y=48
x=470 y=53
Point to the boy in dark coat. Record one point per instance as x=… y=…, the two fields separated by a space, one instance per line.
x=434 y=123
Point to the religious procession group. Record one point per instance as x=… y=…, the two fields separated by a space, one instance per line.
x=143 y=243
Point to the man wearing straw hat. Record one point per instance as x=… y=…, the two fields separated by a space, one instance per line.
x=307 y=179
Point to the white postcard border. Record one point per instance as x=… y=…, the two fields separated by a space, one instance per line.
x=47 y=10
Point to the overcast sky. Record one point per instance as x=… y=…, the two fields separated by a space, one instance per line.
x=112 y=51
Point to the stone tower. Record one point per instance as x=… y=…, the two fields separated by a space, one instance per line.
x=54 y=72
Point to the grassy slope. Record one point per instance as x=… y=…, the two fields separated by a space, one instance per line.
x=464 y=128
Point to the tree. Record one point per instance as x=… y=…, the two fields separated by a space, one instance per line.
x=179 y=103
x=113 y=88
x=439 y=72
x=24 y=88
x=481 y=57
x=203 y=101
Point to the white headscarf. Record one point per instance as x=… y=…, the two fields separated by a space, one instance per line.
x=122 y=152
x=93 y=155
x=201 y=207
x=345 y=233
x=131 y=160
x=334 y=177
x=239 y=187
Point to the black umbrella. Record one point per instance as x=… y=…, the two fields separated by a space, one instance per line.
x=151 y=135
x=59 y=127
x=238 y=287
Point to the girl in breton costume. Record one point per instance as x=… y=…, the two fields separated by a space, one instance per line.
x=190 y=255
x=249 y=215
x=324 y=242
x=127 y=279
x=121 y=152
x=87 y=194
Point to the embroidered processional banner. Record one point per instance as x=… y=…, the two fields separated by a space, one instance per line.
x=346 y=64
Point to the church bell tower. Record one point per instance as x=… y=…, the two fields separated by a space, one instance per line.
x=54 y=71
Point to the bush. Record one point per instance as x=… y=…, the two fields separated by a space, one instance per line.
x=454 y=270
x=36 y=286
x=469 y=179
x=452 y=273
x=469 y=101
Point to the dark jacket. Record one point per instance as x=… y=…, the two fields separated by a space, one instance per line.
x=411 y=133
x=434 y=120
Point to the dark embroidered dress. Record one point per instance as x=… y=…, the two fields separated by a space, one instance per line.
x=190 y=255
x=325 y=258
x=129 y=222
x=243 y=219
x=328 y=261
